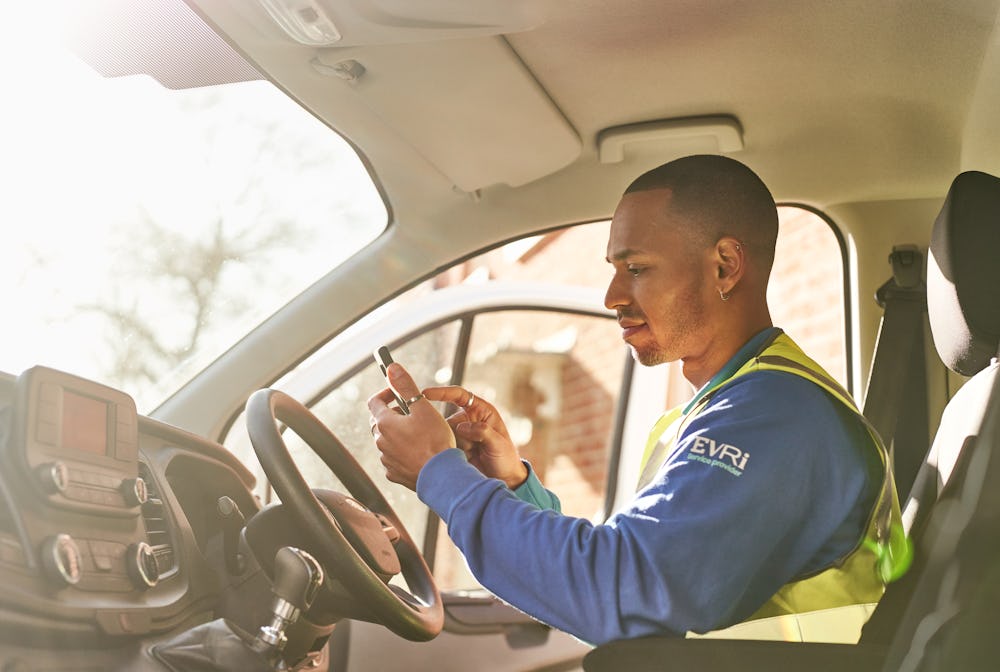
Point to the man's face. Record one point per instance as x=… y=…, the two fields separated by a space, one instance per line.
x=662 y=283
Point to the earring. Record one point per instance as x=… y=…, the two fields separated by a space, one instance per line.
x=723 y=295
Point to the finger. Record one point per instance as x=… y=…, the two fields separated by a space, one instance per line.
x=476 y=432
x=453 y=394
x=401 y=381
x=389 y=465
x=454 y=421
x=378 y=402
x=457 y=417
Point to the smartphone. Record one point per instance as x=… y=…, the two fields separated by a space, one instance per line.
x=384 y=358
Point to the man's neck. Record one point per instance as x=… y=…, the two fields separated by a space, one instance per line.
x=699 y=370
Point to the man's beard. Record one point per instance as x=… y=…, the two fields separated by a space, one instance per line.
x=648 y=356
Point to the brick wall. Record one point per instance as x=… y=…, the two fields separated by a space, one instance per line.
x=806 y=293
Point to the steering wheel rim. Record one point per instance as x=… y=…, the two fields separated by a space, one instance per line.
x=417 y=616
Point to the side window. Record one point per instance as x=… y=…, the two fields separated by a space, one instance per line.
x=556 y=379
x=806 y=292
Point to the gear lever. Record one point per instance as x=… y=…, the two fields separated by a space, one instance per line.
x=297 y=578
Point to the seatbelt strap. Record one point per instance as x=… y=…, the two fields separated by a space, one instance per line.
x=896 y=399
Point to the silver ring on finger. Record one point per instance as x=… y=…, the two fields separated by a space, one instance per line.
x=414 y=399
x=468 y=404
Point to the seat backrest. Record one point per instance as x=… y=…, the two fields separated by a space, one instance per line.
x=949 y=621
x=963 y=306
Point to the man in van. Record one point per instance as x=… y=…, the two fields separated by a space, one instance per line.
x=766 y=495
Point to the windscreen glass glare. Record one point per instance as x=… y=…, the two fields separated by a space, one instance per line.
x=145 y=228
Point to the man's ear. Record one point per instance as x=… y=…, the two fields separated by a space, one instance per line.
x=730 y=260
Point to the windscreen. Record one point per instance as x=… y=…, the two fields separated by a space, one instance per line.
x=146 y=228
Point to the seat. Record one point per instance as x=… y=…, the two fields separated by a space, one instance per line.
x=963 y=297
x=955 y=525
x=963 y=303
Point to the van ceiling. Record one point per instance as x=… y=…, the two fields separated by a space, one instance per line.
x=836 y=102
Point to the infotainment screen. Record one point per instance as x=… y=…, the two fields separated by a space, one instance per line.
x=76 y=441
x=84 y=424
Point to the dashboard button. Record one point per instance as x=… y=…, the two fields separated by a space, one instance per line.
x=100 y=555
x=77 y=493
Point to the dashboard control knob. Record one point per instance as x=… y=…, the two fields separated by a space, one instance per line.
x=142 y=566
x=62 y=561
x=53 y=477
x=134 y=490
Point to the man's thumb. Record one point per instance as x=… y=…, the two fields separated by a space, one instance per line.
x=401 y=381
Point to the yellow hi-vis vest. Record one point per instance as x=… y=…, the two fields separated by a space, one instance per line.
x=832 y=604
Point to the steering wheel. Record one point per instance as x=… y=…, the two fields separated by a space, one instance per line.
x=353 y=542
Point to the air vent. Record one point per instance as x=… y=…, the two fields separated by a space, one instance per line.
x=154 y=515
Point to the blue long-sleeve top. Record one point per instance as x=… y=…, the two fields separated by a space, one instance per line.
x=703 y=546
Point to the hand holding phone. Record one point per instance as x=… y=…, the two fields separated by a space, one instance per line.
x=383 y=358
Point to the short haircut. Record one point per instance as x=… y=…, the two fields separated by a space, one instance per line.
x=721 y=197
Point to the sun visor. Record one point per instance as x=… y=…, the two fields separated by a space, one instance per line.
x=426 y=91
x=165 y=40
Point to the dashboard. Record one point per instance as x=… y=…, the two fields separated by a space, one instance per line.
x=116 y=531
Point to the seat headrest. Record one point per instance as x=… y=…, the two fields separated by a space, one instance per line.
x=963 y=276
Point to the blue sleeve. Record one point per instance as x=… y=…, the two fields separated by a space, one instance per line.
x=533 y=492
x=767 y=482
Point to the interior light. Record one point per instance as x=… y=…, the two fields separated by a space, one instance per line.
x=305 y=21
